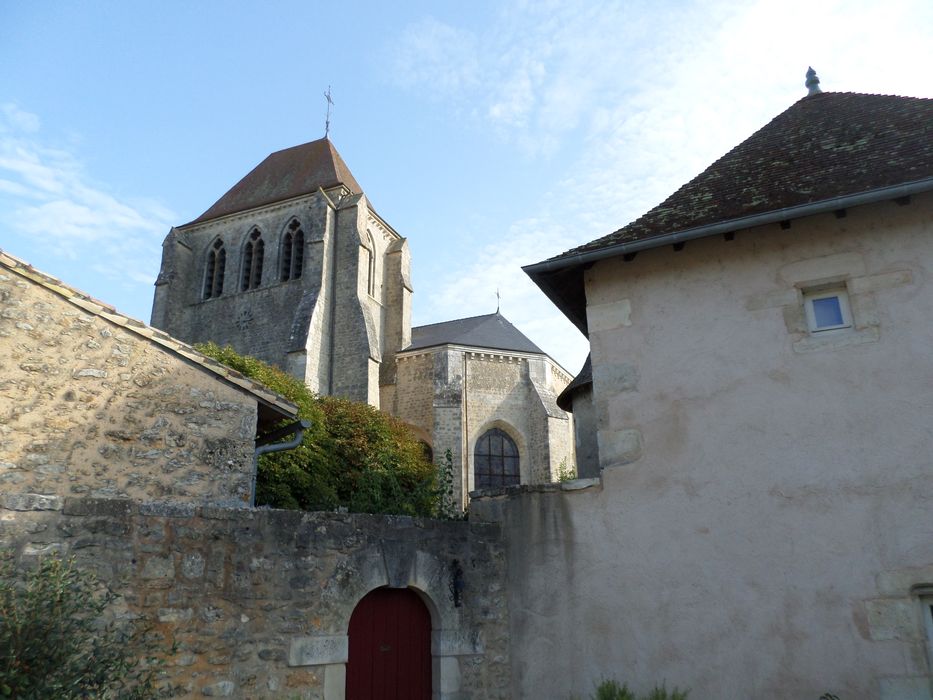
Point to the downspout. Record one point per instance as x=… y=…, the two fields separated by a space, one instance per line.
x=265 y=445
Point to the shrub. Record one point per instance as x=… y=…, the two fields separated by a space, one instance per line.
x=54 y=642
x=565 y=472
x=611 y=690
x=353 y=456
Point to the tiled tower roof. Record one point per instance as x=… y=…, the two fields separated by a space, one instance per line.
x=288 y=173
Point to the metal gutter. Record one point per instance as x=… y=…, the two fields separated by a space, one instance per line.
x=264 y=445
x=770 y=217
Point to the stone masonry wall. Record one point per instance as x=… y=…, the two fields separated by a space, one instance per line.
x=259 y=322
x=258 y=602
x=90 y=408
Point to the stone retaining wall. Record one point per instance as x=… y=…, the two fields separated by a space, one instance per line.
x=258 y=601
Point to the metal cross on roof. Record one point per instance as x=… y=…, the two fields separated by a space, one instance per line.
x=330 y=103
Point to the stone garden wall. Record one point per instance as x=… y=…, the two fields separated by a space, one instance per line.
x=258 y=602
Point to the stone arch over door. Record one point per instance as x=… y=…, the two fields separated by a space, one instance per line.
x=393 y=565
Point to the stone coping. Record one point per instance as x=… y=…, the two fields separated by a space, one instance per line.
x=125 y=507
x=514 y=491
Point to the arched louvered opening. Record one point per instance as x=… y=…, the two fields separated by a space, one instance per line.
x=370 y=264
x=251 y=272
x=293 y=252
x=214 y=270
x=495 y=460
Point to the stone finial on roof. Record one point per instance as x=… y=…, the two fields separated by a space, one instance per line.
x=813 y=83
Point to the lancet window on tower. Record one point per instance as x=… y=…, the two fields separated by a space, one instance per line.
x=293 y=251
x=251 y=272
x=214 y=272
x=370 y=248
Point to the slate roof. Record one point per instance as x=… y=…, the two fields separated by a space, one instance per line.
x=288 y=173
x=492 y=331
x=272 y=407
x=584 y=378
x=828 y=150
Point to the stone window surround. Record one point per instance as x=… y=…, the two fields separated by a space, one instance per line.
x=370 y=248
x=924 y=596
x=267 y=264
x=846 y=271
x=503 y=457
x=812 y=295
x=517 y=438
x=215 y=256
x=394 y=567
x=291 y=240
x=252 y=254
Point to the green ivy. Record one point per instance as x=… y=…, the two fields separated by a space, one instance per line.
x=353 y=456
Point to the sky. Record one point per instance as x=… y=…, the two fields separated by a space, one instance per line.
x=490 y=134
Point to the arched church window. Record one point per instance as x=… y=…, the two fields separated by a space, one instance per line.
x=214 y=272
x=495 y=460
x=251 y=272
x=293 y=252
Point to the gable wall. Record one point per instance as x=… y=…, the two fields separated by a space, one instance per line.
x=452 y=396
x=763 y=513
x=89 y=408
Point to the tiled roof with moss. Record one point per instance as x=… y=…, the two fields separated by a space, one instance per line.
x=285 y=174
x=827 y=145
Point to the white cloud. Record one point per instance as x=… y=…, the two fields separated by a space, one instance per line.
x=649 y=95
x=438 y=57
x=16 y=119
x=51 y=209
x=496 y=267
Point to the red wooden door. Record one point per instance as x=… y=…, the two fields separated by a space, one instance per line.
x=390 y=647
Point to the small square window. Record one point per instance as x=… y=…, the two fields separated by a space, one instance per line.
x=827 y=309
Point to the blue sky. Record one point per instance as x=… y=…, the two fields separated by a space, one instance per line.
x=491 y=134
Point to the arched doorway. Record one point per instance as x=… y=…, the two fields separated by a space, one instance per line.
x=389 y=647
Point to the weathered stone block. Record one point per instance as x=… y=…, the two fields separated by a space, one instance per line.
x=31 y=501
x=892 y=618
x=168 y=509
x=220 y=689
x=618 y=447
x=315 y=651
x=175 y=614
x=158 y=568
x=112 y=507
x=335 y=681
x=192 y=565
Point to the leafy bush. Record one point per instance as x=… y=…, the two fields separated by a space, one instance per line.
x=565 y=472
x=353 y=456
x=611 y=690
x=54 y=642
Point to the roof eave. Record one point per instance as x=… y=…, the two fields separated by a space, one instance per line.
x=542 y=271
